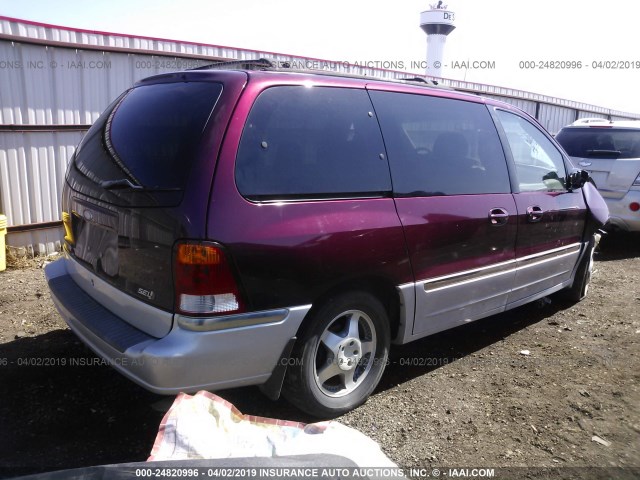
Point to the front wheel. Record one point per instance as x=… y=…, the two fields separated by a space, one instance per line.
x=340 y=355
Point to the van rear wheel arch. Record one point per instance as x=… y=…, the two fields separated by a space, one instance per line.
x=340 y=355
x=381 y=288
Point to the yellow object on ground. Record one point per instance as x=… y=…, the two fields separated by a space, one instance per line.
x=3 y=250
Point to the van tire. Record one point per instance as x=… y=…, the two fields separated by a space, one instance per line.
x=340 y=356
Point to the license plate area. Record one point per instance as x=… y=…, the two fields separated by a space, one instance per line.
x=96 y=234
x=600 y=178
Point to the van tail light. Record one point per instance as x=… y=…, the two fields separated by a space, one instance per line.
x=204 y=281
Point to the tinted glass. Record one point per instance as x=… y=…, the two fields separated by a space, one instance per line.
x=150 y=136
x=311 y=142
x=539 y=164
x=600 y=142
x=440 y=146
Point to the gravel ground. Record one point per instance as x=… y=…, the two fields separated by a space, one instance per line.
x=464 y=398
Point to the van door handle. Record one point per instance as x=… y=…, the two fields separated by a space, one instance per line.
x=534 y=213
x=498 y=216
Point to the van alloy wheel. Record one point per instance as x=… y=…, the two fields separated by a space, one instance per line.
x=340 y=355
x=345 y=352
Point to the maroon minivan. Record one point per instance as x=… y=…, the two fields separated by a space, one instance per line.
x=262 y=227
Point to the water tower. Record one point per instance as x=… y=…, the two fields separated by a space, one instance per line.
x=437 y=23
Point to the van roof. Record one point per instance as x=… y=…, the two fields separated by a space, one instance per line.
x=257 y=70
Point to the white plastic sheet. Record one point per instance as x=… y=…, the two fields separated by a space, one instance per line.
x=205 y=426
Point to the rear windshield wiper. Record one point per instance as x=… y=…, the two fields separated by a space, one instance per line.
x=119 y=184
x=598 y=153
x=125 y=183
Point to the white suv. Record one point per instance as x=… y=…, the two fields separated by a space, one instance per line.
x=610 y=152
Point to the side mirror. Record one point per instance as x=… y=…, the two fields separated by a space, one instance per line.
x=576 y=180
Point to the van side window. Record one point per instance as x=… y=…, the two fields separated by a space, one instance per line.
x=539 y=164
x=440 y=146
x=316 y=142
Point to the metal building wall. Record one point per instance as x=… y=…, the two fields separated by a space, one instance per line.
x=620 y=117
x=582 y=114
x=56 y=81
x=554 y=117
x=32 y=166
x=63 y=86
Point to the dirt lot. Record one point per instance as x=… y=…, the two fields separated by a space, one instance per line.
x=463 y=398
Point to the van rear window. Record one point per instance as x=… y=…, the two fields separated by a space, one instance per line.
x=600 y=142
x=150 y=136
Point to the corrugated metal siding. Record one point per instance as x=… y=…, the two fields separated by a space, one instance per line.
x=553 y=117
x=591 y=115
x=181 y=49
x=32 y=168
x=40 y=241
x=59 y=76
x=61 y=86
x=41 y=95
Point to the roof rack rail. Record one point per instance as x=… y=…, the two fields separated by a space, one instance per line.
x=253 y=64
x=286 y=66
x=420 y=80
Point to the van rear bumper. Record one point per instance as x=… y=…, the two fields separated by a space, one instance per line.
x=185 y=360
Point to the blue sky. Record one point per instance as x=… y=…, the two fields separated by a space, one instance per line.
x=504 y=32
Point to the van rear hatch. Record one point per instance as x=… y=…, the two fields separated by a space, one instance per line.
x=611 y=156
x=141 y=179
